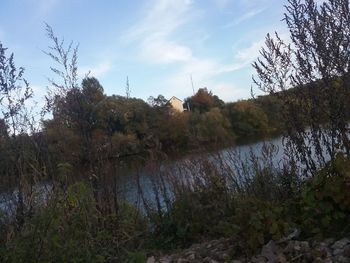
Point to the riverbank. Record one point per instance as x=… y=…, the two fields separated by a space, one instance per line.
x=283 y=251
x=73 y=226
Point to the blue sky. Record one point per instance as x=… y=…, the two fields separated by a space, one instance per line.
x=157 y=43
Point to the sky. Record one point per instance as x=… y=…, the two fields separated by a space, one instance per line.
x=158 y=44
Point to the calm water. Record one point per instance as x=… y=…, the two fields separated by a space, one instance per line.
x=185 y=169
x=230 y=161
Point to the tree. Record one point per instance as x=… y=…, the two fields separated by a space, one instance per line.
x=14 y=92
x=16 y=121
x=158 y=102
x=66 y=69
x=248 y=120
x=315 y=63
x=203 y=101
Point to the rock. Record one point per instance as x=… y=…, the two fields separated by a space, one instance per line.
x=346 y=252
x=151 y=260
x=225 y=255
x=192 y=256
x=308 y=257
x=297 y=247
x=209 y=260
x=203 y=253
x=341 y=243
x=293 y=235
x=304 y=246
x=323 y=251
x=329 y=241
x=258 y=259
x=342 y=259
x=337 y=252
x=289 y=248
x=280 y=259
x=165 y=260
x=318 y=260
x=270 y=251
x=218 y=251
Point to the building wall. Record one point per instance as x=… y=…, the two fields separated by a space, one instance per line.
x=176 y=104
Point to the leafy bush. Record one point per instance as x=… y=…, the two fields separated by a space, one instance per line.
x=326 y=200
x=71 y=229
x=255 y=222
x=192 y=215
x=212 y=210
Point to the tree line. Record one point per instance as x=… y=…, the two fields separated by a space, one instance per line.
x=89 y=135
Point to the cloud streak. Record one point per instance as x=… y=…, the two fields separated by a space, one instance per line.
x=98 y=70
x=156 y=30
x=154 y=36
x=248 y=15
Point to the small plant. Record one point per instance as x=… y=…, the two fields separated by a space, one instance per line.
x=326 y=199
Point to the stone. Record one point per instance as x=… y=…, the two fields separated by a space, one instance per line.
x=337 y=252
x=203 y=252
x=297 y=247
x=280 y=259
x=318 y=260
x=165 y=260
x=289 y=248
x=192 y=256
x=308 y=257
x=341 y=243
x=305 y=247
x=225 y=255
x=209 y=260
x=342 y=259
x=258 y=259
x=346 y=252
x=329 y=241
x=323 y=251
x=270 y=251
x=218 y=251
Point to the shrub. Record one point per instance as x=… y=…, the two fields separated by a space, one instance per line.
x=71 y=229
x=325 y=200
x=255 y=222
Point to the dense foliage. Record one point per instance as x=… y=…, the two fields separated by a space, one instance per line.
x=61 y=182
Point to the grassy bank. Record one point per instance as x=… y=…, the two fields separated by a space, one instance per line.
x=214 y=203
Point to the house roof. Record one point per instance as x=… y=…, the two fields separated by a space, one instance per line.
x=174 y=97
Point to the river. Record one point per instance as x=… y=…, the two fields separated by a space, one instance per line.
x=234 y=163
x=237 y=161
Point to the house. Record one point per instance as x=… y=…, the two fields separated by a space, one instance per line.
x=176 y=104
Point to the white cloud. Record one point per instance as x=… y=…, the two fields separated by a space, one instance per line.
x=155 y=31
x=165 y=51
x=228 y=91
x=161 y=19
x=249 y=54
x=248 y=15
x=96 y=70
x=203 y=71
x=222 y=3
x=156 y=38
